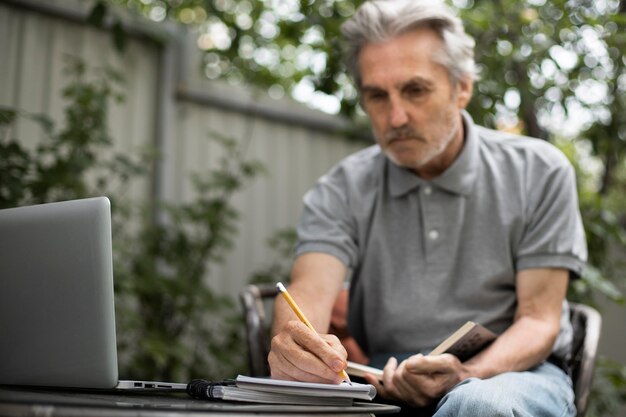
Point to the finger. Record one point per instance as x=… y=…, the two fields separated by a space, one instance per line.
x=415 y=363
x=380 y=388
x=298 y=365
x=314 y=343
x=411 y=387
x=420 y=364
x=288 y=374
x=388 y=374
x=287 y=357
x=301 y=364
x=334 y=342
x=404 y=386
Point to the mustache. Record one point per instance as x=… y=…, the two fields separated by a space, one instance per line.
x=404 y=132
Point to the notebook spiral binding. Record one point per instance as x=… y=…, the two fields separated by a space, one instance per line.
x=201 y=389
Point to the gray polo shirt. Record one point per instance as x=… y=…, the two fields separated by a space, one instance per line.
x=426 y=256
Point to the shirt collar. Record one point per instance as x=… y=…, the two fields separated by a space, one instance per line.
x=459 y=178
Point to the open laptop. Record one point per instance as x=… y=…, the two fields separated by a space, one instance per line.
x=57 y=316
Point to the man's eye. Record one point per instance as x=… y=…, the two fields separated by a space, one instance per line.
x=376 y=96
x=414 y=91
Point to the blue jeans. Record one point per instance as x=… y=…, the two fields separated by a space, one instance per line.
x=543 y=391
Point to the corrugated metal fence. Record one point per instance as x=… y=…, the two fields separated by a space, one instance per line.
x=169 y=106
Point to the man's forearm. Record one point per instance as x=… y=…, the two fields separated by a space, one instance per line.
x=530 y=339
x=525 y=344
x=316 y=281
x=315 y=312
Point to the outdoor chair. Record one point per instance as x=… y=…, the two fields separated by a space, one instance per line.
x=257 y=303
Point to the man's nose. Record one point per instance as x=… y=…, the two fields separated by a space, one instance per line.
x=398 y=115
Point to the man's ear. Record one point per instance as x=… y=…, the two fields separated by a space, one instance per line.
x=464 y=90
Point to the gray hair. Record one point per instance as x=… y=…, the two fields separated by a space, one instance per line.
x=380 y=20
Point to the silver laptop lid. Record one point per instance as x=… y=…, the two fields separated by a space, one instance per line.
x=57 y=321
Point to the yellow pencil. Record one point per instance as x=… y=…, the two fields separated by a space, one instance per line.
x=304 y=320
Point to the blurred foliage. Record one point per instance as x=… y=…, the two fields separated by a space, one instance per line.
x=56 y=168
x=282 y=243
x=553 y=69
x=178 y=327
x=171 y=324
x=609 y=373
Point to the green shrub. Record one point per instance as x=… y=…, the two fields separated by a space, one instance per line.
x=171 y=324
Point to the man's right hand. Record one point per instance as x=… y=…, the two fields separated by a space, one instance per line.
x=299 y=354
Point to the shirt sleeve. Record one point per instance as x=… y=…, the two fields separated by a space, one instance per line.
x=326 y=224
x=554 y=236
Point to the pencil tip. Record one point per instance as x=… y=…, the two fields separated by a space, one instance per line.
x=346 y=377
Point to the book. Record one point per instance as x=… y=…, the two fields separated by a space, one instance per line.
x=274 y=391
x=357 y=369
x=467 y=341
x=464 y=343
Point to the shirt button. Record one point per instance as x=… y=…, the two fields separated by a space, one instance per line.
x=433 y=235
x=428 y=190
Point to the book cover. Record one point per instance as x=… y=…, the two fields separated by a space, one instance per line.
x=467 y=341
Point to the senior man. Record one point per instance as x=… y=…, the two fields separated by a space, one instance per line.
x=440 y=222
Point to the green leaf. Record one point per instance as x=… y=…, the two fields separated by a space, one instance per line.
x=594 y=278
x=120 y=37
x=97 y=15
x=46 y=123
x=7 y=116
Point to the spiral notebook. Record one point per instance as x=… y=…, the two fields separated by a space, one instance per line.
x=274 y=391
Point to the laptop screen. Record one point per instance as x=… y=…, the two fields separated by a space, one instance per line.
x=57 y=315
